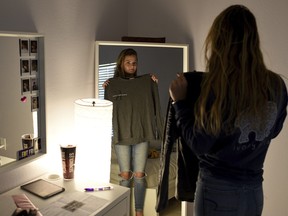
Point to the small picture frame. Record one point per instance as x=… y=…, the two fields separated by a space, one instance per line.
x=34 y=84
x=25 y=86
x=34 y=103
x=24 y=67
x=24 y=47
x=34 y=66
x=33 y=47
x=37 y=144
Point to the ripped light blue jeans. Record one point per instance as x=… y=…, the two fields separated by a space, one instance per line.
x=133 y=158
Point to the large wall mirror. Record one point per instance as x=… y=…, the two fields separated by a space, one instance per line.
x=162 y=59
x=165 y=61
x=22 y=98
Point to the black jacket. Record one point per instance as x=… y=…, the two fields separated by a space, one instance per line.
x=187 y=162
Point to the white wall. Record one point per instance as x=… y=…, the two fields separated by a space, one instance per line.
x=71 y=26
x=186 y=21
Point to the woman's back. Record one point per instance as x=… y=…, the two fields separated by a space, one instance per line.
x=241 y=108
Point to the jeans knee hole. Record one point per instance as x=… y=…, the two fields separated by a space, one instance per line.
x=143 y=175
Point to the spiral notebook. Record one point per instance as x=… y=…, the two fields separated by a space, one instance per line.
x=42 y=188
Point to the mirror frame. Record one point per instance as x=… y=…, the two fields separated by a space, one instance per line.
x=184 y=47
x=17 y=165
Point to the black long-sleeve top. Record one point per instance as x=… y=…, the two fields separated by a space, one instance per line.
x=239 y=156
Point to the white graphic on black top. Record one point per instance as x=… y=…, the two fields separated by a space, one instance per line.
x=261 y=125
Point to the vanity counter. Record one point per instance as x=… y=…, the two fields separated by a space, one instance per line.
x=115 y=201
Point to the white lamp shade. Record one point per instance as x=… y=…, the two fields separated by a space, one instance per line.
x=93 y=128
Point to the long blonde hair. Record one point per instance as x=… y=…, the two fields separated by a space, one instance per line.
x=119 y=72
x=237 y=80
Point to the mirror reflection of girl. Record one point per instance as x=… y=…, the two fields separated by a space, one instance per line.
x=137 y=153
x=127 y=66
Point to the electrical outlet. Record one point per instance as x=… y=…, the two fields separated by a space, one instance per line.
x=3 y=144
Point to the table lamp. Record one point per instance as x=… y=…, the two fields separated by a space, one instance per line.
x=93 y=129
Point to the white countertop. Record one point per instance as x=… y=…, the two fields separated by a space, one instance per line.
x=7 y=205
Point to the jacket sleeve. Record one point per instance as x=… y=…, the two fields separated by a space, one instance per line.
x=170 y=135
x=157 y=111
